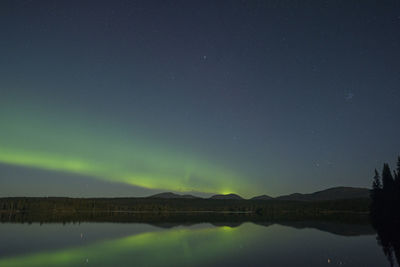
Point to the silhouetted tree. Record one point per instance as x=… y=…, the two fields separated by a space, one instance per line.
x=376 y=196
x=397 y=178
x=389 y=191
x=376 y=185
x=398 y=165
x=385 y=211
x=397 y=188
x=387 y=178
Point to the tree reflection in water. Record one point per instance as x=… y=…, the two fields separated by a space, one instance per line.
x=388 y=236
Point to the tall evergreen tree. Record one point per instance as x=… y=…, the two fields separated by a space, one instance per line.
x=397 y=188
x=376 y=186
x=387 y=178
x=376 y=197
x=385 y=206
x=397 y=175
x=377 y=181
x=389 y=201
x=398 y=165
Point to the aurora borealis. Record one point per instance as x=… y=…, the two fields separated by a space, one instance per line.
x=248 y=97
x=79 y=149
x=197 y=245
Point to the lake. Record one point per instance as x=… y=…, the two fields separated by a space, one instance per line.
x=204 y=244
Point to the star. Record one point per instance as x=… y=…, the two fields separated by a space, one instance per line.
x=349 y=96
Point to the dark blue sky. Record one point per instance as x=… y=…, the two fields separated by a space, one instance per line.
x=209 y=96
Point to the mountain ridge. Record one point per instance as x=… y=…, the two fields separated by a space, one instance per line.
x=332 y=193
x=261 y=197
x=226 y=196
x=169 y=195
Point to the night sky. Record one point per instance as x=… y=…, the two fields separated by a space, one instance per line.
x=130 y=98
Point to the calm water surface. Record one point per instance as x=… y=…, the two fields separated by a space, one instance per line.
x=248 y=244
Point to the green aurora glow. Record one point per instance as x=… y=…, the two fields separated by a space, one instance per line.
x=75 y=145
x=197 y=245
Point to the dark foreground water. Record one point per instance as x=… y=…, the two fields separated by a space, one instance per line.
x=135 y=244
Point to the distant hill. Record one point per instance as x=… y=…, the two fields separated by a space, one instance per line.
x=334 y=193
x=171 y=195
x=262 y=197
x=227 y=196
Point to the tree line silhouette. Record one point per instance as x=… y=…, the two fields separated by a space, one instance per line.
x=385 y=210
